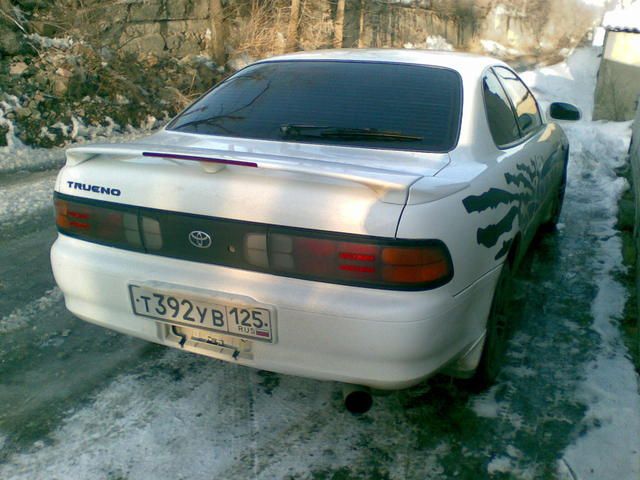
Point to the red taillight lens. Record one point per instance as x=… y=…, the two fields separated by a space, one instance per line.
x=383 y=263
x=112 y=226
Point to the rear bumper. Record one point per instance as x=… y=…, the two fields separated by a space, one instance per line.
x=383 y=339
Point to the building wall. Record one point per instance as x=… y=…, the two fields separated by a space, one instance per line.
x=623 y=47
x=618 y=86
x=634 y=151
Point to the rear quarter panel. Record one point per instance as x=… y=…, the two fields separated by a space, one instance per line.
x=508 y=196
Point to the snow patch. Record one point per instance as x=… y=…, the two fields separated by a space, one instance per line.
x=498 y=50
x=436 y=42
x=47 y=42
x=432 y=42
x=486 y=405
x=16 y=156
x=572 y=81
x=623 y=18
x=21 y=317
x=19 y=201
x=192 y=416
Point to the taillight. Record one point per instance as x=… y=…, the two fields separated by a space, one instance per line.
x=116 y=227
x=308 y=254
x=383 y=263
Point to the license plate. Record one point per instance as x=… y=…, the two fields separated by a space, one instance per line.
x=249 y=321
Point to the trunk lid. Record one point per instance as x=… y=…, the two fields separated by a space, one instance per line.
x=321 y=187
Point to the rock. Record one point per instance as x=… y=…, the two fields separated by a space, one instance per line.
x=107 y=53
x=18 y=68
x=60 y=83
x=23 y=112
x=11 y=42
x=3 y=143
x=63 y=72
x=152 y=43
x=151 y=60
x=60 y=86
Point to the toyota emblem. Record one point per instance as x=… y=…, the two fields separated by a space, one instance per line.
x=200 y=239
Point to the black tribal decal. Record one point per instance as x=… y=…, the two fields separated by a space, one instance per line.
x=488 y=236
x=530 y=183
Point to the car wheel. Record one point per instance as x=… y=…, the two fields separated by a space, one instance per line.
x=495 y=343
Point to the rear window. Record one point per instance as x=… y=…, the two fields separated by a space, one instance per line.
x=365 y=104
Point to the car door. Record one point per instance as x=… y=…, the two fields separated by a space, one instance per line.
x=520 y=132
x=534 y=168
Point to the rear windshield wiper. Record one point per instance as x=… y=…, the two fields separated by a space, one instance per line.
x=320 y=131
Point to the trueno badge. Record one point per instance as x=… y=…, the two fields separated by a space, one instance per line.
x=200 y=239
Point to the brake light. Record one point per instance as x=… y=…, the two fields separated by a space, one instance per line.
x=384 y=263
x=115 y=227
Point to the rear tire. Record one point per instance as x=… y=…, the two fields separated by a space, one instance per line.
x=495 y=344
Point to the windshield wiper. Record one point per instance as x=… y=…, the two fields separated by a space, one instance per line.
x=320 y=131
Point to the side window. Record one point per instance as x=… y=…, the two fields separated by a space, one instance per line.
x=502 y=121
x=529 y=118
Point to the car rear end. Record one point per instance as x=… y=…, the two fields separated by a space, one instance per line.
x=225 y=236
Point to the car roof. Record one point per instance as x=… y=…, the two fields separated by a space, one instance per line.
x=462 y=62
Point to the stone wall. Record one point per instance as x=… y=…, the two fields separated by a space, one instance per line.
x=258 y=28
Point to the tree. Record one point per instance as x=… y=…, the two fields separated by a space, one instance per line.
x=292 y=33
x=361 y=25
x=216 y=16
x=339 y=25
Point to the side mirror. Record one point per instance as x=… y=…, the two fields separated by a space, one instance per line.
x=564 y=111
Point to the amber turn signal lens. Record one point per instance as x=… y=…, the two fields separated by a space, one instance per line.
x=417 y=274
x=411 y=255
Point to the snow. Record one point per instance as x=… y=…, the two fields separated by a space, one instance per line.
x=16 y=156
x=21 y=317
x=47 y=42
x=21 y=200
x=610 y=386
x=148 y=426
x=496 y=49
x=436 y=42
x=432 y=42
x=33 y=170
x=572 y=81
x=623 y=18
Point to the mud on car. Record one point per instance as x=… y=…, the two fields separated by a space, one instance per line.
x=347 y=215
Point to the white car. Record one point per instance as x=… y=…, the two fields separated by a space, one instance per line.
x=348 y=215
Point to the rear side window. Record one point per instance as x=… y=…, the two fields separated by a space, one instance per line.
x=367 y=104
x=500 y=115
x=528 y=115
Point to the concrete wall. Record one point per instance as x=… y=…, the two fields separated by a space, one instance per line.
x=618 y=86
x=633 y=321
x=634 y=151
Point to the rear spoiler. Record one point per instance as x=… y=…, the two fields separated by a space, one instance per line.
x=391 y=186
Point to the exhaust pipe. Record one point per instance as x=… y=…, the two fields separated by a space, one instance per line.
x=357 y=399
